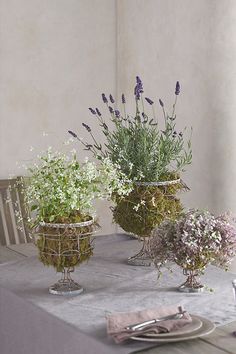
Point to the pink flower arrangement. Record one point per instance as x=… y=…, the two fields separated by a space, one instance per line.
x=195 y=240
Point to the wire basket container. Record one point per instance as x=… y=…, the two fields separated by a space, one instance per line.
x=65 y=246
x=147 y=206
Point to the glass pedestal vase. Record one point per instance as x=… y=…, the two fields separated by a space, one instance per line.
x=142 y=258
x=192 y=283
x=66 y=285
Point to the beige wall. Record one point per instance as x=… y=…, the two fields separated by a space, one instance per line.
x=194 y=42
x=56 y=57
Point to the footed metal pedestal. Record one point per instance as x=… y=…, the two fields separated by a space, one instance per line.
x=142 y=258
x=192 y=284
x=66 y=285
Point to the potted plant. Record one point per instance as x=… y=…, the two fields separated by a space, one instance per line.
x=149 y=152
x=60 y=193
x=197 y=239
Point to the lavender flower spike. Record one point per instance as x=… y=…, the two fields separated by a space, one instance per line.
x=98 y=112
x=86 y=127
x=139 y=81
x=104 y=98
x=111 y=99
x=117 y=113
x=92 y=110
x=161 y=103
x=111 y=109
x=149 y=100
x=177 y=88
x=72 y=133
x=123 y=98
x=138 y=88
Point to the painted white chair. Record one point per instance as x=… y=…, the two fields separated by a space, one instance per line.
x=14 y=235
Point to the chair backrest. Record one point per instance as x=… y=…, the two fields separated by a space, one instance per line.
x=12 y=231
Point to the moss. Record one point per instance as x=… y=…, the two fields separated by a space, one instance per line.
x=58 y=247
x=160 y=203
x=74 y=217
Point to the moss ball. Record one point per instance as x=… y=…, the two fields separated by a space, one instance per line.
x=146 y=207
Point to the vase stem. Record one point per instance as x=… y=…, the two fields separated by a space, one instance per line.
x=142 y=258
x=192 y=283
x=66 y=285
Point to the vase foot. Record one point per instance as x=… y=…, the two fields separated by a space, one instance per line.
x=142 y=258
x=139 y=261
x=66 y=288
x=187 y=289
x=193 y=283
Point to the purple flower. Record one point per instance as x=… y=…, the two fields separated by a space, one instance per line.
x=104 y=98
x=177 y=88
x=161 y=103
x=174 y=134
x=138 y=88
x=72 y=133
x=86 y=127
x=117 y=113
x=123 y=98
x=92 y=110
x=98 y=112
x=145 y=118
x=111 y=110
x=149 y=100
x=138 y=80
x=111 y=99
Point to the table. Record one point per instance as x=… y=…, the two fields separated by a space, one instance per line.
x=221 y=341
x=35 y=322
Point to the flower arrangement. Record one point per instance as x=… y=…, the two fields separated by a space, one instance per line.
x=150 y=152
x=143 y=150
x=60 y=192
x=195 y=240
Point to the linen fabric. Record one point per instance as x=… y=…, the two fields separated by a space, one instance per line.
x=117 y=323
x=32 y=321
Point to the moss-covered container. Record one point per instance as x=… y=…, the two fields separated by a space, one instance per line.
x=148 y=205
x=65 y=245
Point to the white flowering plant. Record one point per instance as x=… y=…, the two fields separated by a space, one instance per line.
x=195 y=240
x=62 y=190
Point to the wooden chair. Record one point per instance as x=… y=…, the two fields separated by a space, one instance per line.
x=12 y=231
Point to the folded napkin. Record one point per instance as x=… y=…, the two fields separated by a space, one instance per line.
x=117 y=322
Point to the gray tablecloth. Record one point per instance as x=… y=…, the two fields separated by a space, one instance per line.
x=34 y=322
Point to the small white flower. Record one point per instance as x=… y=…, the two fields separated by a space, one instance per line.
x=136 y=207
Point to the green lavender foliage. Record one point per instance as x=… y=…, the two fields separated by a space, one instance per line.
x=138 y=145
x=144 y=152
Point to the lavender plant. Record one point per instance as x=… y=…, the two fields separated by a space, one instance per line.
x=143 y=150
x=195 y=240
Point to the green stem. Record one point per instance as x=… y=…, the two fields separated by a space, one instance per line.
x=142 y=102
x=173 y=112
x=153 y=112
x=164 y=113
